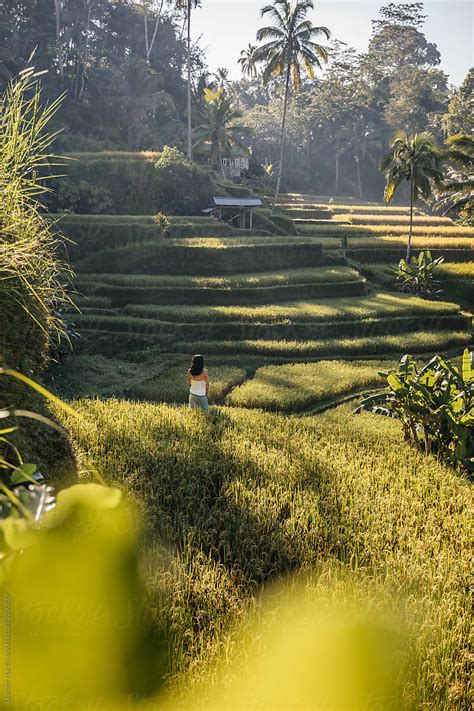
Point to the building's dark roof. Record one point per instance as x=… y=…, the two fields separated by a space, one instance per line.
x=236 y=202
x=234 y=152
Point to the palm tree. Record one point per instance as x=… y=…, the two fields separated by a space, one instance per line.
x=290 y=48
x=457 y=189
x=221 y=78
x=218 y=126
x=188 y=6
x=417 y=159
x=247 y=61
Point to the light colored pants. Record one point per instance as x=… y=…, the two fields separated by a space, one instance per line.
x=199 y=402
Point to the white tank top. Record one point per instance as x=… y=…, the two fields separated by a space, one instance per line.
x=198 y=387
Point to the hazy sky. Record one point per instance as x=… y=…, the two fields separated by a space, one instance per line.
x=227 y=26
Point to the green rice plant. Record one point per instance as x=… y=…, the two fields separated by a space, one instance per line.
x=177 y=220
x=419 y=342
x=170 y=384
x=120 y=296
x=330 y=274
x=94 y=375
x=89 y=236
x=152 y=258
x=31 y=273
x=242 y=240
x=386 y=230
x=437 y=242
x=314 y=213
x=435 y=406
x=373 y=209
x=297 y=386
x=101 y=321
x=366 y=307
x=337 y=208
x=221 y=241
x=98 y=302
x=148 y=376
x=393 y=219
x=243 y=497
x=458 y=283
x=457 y=271
x=145 y=156
x=378 y=254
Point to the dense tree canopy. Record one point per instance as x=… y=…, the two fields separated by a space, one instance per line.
x=340 y=123
x=119 y=63
x=123 y=67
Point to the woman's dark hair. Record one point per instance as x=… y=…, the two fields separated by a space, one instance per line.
x=197 y=365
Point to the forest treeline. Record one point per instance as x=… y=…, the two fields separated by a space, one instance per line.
x=122 y=66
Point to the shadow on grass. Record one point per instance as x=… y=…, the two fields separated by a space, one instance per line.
x=200 y=490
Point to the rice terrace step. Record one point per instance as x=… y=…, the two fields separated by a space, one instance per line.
x=266 y=288
x=267 y=291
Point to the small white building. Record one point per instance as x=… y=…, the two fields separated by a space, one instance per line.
x=233 y=164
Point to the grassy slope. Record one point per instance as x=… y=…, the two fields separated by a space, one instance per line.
x=233 y=281
x=391 y=242
x=296 y=386
x=394 y=219
x=96 y=376
x=371 y=209
x=373 y=306
x=457 y=271
x=242 y=497
x=456 y=281
x=384 y=229
x=215 y=258
x=420 y=342
x=171 y=384
x=329 y=238
x=149 y=377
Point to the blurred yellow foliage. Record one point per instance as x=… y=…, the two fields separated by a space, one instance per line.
x=74 y=627
x=75 y=633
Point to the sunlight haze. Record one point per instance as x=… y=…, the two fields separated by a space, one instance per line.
x=227 y=26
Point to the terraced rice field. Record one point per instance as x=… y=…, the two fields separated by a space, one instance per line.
x=250 y=295
x=455 y=281
x=372 y=227
x=243 y=497
x=297 y=386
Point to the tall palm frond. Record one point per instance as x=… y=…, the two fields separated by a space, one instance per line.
x=218 y=126
x=415 y=159
x=289 y=47
x=456 y=192
x=247 y=61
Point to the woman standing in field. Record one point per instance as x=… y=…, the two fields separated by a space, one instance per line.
x=198 y=381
